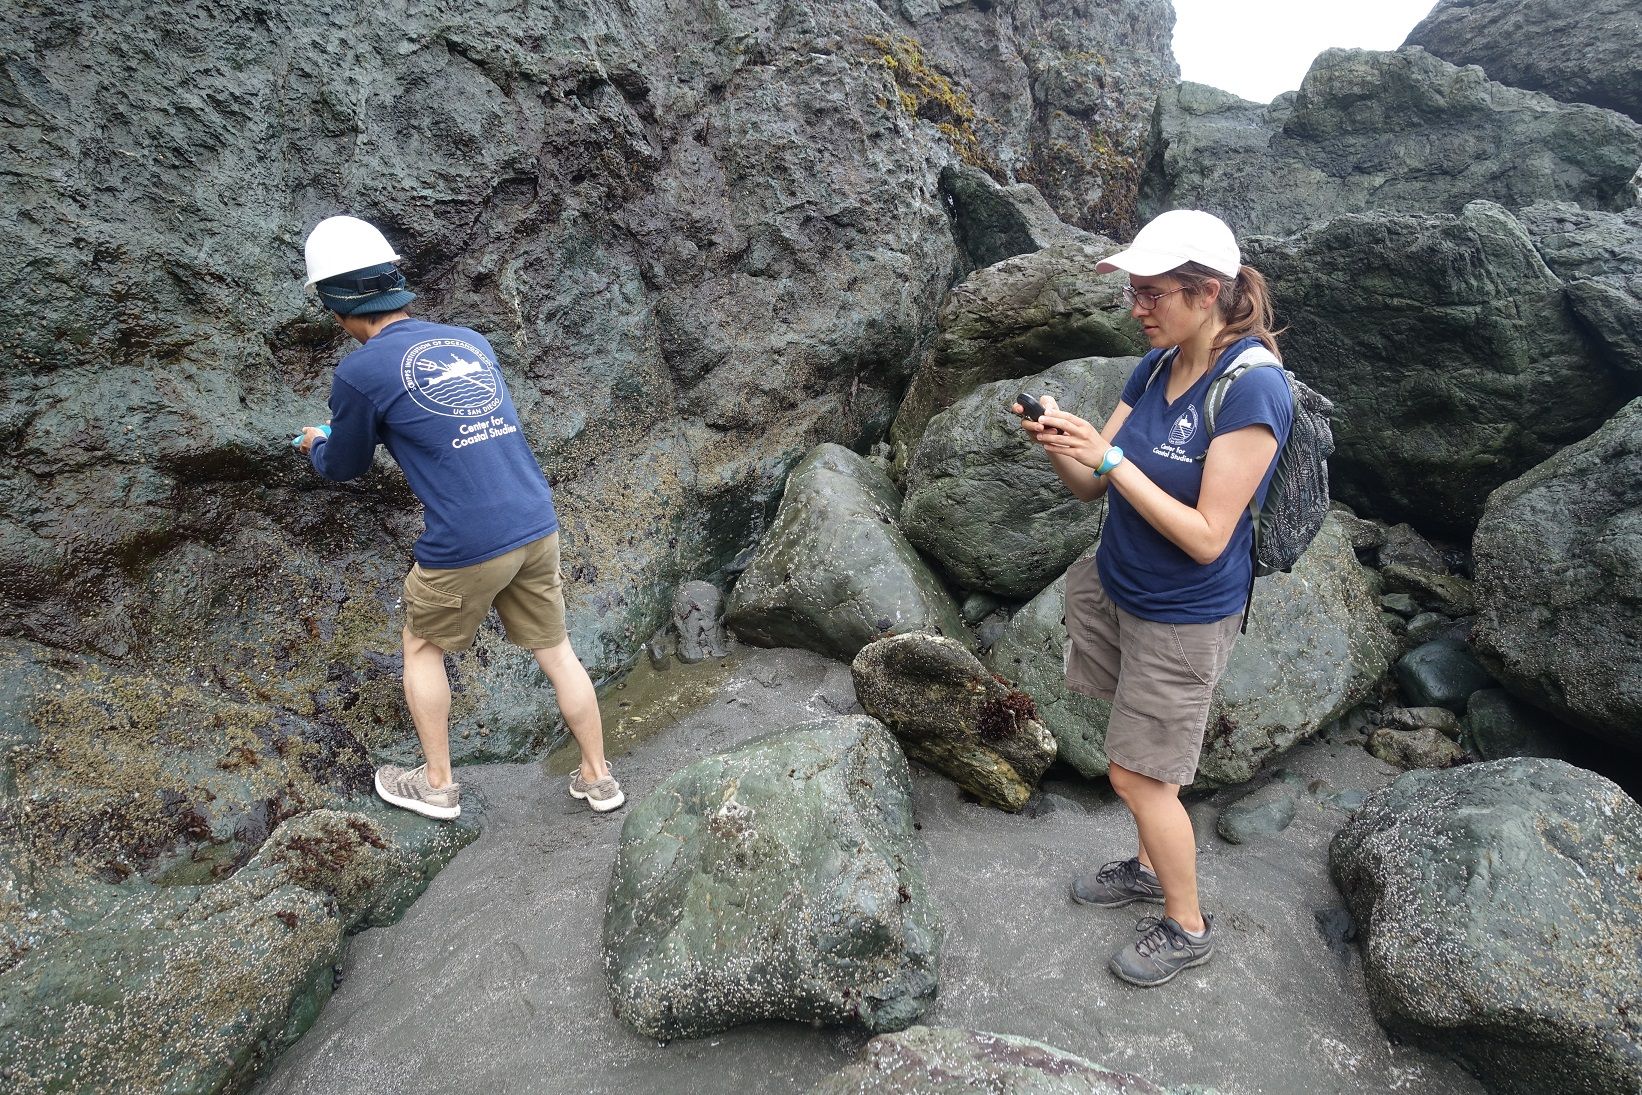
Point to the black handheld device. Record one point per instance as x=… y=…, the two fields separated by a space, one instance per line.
x=1032 y=409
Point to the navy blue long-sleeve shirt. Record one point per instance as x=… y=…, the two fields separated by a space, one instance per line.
x=435 y=397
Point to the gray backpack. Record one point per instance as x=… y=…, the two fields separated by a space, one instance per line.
x=1297 y=500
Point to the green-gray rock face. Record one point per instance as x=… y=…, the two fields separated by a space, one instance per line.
x=1315 y=647
x=774 y=881
x=1441 y=673
x=1501 y=918
x=193 y=987
x=950 y=713
x=1368 y=130
x=1016 y=318
x=1498 y=725
x=1558 y=558
x=1589 y=52
x=947 y=1061
x=1031 y=652
x=1599 y=256
x=984 y=501
x=834 y=572
x=702 y=239
x=1449 y=351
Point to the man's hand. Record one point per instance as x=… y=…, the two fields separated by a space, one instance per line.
x=308 y=435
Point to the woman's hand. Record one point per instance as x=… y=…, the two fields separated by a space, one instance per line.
x=1064 y=434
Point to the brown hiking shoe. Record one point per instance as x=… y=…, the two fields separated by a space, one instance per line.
x=603 y=795
x=408 y=787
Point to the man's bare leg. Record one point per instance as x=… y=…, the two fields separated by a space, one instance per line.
x=579 y=705
x=427 y=694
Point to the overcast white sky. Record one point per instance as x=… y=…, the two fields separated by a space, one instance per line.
x=1261 y=48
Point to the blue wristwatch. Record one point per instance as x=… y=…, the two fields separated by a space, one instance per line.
x=1113 y=457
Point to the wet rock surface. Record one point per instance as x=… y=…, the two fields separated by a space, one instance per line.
x=194 y=987
x=1442 y=673
x=951 y=714
x=835 y=572
x=982 y=499
x=508 y=939
x=1394 y=131
x=698 y=620
x=1016 y=318
x=777 y=880
x=1501 y=916
x=1559 y=582
x=1586 y=53
x=944 y=1061
x=1598 y=255
x=1421 y=747
x=1443 y=390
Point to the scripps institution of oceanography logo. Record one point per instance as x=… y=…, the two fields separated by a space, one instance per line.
x=450 y=377
x=1184 y=427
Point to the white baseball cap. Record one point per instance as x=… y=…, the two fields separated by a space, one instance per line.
x=1175 y=238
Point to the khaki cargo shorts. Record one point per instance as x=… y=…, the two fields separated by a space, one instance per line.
x=446 y=607
x=1159 y=678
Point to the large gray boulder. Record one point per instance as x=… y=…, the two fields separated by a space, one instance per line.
x=1590 y=52
x=1394 y=131
x=949 y=712
x=1315 y=647
x=948 y=1061
x=1449 y=351
x=702 y=240
x=1558 y=558
x=1599 y=257
x=1016 y=318
x=834 y=572
x=1500 y=915
x=774 y=881
x=984 y=501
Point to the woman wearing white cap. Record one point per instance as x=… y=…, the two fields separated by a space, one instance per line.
x=1152 y=617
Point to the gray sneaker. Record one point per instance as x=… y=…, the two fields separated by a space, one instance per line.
x=408 y=787
x=1163 y=950
x=603 y=795
x=1120 y=882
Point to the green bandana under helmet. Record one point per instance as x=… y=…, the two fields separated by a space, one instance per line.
x=374 y=289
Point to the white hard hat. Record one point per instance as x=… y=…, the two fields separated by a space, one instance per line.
x=1175 y=238
x=338 y=245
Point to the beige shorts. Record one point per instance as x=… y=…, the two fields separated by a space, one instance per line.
x=446 y=607
x=1159 y=678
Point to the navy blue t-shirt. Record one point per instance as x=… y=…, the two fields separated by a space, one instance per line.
x=434 y=396
x=1144 y=573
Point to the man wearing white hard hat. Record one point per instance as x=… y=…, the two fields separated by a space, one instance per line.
x=434 y=396
x=1151 y=619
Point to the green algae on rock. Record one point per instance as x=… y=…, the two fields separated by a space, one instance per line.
x=951 y=713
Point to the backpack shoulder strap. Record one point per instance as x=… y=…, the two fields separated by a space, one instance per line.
x=1255 y=357
x=1163 y=359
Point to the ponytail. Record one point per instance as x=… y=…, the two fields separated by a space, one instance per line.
x=1244 y=304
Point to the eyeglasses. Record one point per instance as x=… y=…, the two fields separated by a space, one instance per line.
x=1144 y=300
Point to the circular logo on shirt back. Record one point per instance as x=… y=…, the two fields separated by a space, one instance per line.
x=1185 y=427
x=450 y=377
